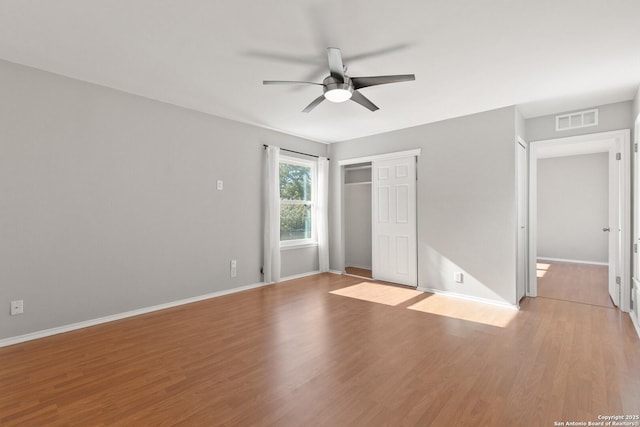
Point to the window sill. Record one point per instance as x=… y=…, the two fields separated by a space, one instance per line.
x=298 y=246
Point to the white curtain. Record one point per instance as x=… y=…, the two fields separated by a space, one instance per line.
x=271 y=182
x=322 y=214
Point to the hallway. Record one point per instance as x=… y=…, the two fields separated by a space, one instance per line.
x=581 y=283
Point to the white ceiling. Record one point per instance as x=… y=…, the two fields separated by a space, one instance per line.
x=212 y=55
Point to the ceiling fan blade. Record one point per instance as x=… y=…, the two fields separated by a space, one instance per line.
x=314 y=104
x=378 y=52
x=336 y=67
x=288 y=82
x=285 y=57
x=363 y=100
x=360 y=82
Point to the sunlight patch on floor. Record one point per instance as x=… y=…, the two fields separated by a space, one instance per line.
x=378 y=293
x=541 y=269
x=465 y=310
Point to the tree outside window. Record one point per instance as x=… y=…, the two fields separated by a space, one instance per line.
x=296 y=200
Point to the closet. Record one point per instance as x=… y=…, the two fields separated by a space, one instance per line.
x=357 y=204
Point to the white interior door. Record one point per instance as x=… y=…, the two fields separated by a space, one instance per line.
x=521 y=279
x=394 y=242
x=614 y=228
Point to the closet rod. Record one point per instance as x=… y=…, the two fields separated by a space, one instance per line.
x=297 y=152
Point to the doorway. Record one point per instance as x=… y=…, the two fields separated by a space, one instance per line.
x=604 y=239
x=379 y=219
x=357 y=220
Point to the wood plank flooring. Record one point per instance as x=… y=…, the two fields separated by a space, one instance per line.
x=296 y=354
x=357 y=271
x=583 y=283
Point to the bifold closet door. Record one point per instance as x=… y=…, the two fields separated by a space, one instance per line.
x=394 y=240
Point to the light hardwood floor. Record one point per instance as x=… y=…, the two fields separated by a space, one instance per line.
x=583 y=283
x=319 y=351
x=357 y=271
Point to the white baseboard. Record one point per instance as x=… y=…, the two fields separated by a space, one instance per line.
x=574 y=261
x=85 y=324
x=299 y=276
x=336 y=272
x=635 y=314
x=635 y=321
x=470 y=298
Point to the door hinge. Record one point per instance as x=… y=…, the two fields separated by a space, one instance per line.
x=635 y=248
x=635 y=147
x=618 y=156
x=618 y=280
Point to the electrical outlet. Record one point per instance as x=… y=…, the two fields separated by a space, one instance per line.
x=458 y=277
x=17 y=307
x=219 y=184
x=234 y=268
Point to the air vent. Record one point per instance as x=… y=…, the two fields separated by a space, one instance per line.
x=581 y=119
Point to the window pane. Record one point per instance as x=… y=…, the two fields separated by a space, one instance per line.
x=295 y=182
x=295 y=222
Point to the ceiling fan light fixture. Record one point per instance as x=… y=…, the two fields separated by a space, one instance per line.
x=338 y=95
x=337 y=90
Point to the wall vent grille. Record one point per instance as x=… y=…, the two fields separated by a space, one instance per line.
x=581 y=119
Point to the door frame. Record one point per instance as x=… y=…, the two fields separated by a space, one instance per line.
x=575 y=145
x=366 y=159
x=635 y=264
x=520 y=142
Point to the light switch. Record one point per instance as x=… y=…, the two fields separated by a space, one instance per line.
x=219 y=185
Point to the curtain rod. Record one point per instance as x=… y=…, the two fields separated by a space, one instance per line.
x=297 y=152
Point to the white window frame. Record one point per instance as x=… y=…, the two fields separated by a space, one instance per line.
x=313 y=240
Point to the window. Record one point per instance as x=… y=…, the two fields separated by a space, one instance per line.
x=297 y=201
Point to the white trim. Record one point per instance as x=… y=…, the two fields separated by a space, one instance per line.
x=297 y=245
x=635 y=313
x=635 y=262
x=340 y=273
x=299 y=276
x=574 y=261
x=634 y=320
x=87 y=323
x=522 y=143
x=562 y=147
x=387 y=156
x=469 y=298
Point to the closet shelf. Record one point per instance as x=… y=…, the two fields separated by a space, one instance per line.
x=357 y=168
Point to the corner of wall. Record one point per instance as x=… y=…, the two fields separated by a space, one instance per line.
x=636 y=105
x=521 y=127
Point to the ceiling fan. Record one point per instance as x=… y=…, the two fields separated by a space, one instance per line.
x=338 y=87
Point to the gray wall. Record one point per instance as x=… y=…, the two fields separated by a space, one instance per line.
x=573 y=207
x=521 y=126
x=611 y=117
x=108 y=201
x=298 y=261
x=466 y=200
